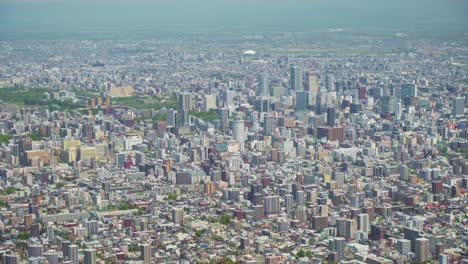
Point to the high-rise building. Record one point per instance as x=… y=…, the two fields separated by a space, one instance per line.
x=331 y=133
x=35 y=250
x=403 y=246
x=171 y=118
x=409 y=90
x=331 y=116
x=177 y=215
x=223 y=118
x=300 y=198
x=351 y=228
x=209 y=102
x=90 y=256
x=91 y=227
x=145 y=253
x=52 y=257
x=288 y=201
x=337 y=245
x=238 y=131
x=387 y=104
x=363 y=223
x=185 y=102
x=403 y=170
x=50 y=231
x=271 y=204
x=458 y=106
x=422 y=249
x=228 y=99
x=302 y=100
x=140 y=158
x=295 y=78
x=312 y=86
x=73 y=253
x=330 y=83
x=443 y=259
x=263 y=88
x=269 y=125
x=437 y=187
x=11 y=258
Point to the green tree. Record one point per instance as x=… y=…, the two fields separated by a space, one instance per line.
x=23 y=235
x=224 y=219
x=300 y=254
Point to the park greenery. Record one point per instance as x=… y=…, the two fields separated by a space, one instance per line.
x=34 y=97
x=120 y=206
x=4 y=138
x=207 y=116
x=9 y=190
x=171 y=196
x=145 y=102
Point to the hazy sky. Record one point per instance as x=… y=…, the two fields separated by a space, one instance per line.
x=27 y=18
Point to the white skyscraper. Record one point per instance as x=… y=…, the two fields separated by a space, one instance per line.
x=263 y=88
x=363 y=223
x=238 y=131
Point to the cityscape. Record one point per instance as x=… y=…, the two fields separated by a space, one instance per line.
x=329 y=146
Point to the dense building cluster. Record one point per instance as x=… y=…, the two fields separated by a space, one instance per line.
x=145 y=152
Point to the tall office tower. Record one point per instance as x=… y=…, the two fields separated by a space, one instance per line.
x=318 y=103
x=262 y=105
x=73 y=253
x=269 y=125
x=50 y=231
x=330 y=83
x=90 y=256
x=238 y=131
x=422 y=249
x=331 y=116
x=409 y=90
x=363 y=222
x=223 y=118
x=403 y=170
x=185 y=102
x=295 y=79
x=35 y=250
x=209 y=102
x=145 y=254
x=177 y=215
x=228 y=99
x=351 y=228
x=65 y=245
x=263 y=88
x=302 y=100
x=52 y=257
x=288 y=201
x=171 y=118
x=300 y=198
x=140 y=158
x=271 y=204
x=337 y=245
x=11 y=258
x=437 y=187
x=341 y=227
x=403 y=246
x=458 y=106
x=387 y=104
x=312 y=86
x=91 y=227
x=443 y=259
x=120 y=159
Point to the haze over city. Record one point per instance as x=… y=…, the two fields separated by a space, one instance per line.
x=242 y=131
